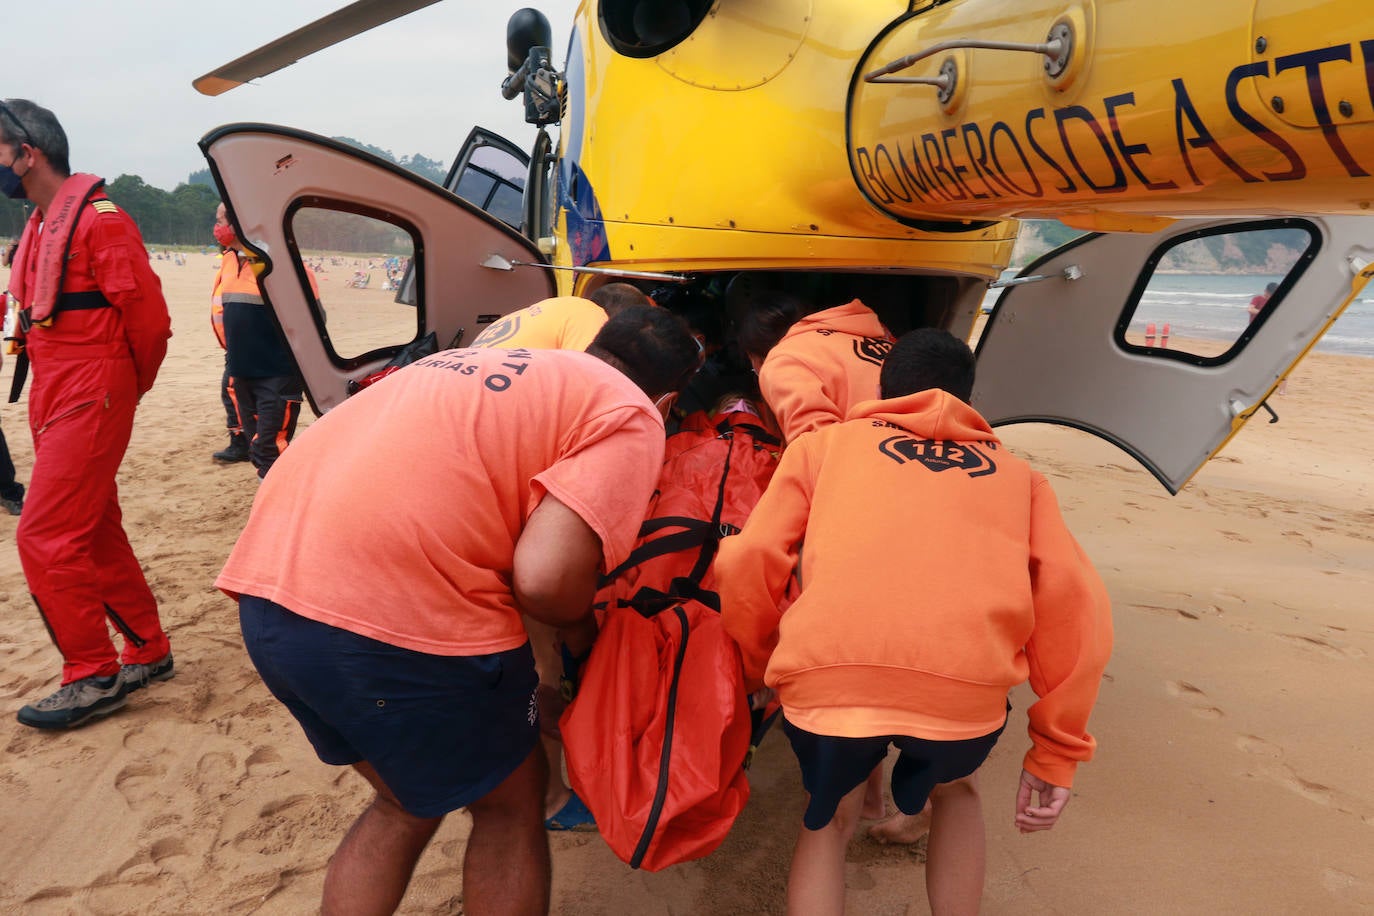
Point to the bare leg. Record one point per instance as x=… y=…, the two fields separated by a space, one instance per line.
x=371 y=869
x=556 y=792
x=507 y=870
x=875 y=805
x=815 y=884
x=956 y=856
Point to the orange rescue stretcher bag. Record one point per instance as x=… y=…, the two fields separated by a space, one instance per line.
x=659 y=734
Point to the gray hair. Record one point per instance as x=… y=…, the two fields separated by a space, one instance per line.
x=22 y=121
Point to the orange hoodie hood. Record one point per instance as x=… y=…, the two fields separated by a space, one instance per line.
x=824 y=365
x=931 y=414
x=853 y=318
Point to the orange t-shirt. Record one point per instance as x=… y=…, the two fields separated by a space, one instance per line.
x=825 y=364
x=396 y=514
x=561 y=323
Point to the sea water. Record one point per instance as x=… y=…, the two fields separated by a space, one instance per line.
x=1213 y=307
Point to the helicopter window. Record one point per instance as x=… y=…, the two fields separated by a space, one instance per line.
x=1203 y=297
x=359 y=262
x=495 y=181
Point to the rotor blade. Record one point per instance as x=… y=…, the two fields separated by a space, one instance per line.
x=353 y=19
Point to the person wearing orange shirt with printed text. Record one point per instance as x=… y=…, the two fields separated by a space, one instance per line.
x=936 y=573
x=560 y=323
x=391 y=628
x=563 y=322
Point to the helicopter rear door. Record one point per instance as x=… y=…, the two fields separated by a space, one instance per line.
x=1144 y=340
x=359 y=224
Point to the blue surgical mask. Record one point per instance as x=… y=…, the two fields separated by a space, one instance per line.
x=11 y=183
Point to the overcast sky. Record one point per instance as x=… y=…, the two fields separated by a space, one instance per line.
x=118 y=76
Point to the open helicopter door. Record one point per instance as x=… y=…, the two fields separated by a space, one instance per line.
x=1134 y=338
x=490 y=172
x=305 y=203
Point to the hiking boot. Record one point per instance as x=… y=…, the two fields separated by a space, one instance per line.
x=75 y=703
x=136 y=676
x=13 y=505
x=236 y=451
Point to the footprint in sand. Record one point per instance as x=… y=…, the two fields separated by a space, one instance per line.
x=151 y=861
x=1253 y=744
x=280 y=823
x=1183 y=613
x=1297 y=537
x=264 y=761
x=1324 y=646
x=1190 y=693
x=138 y=782
x=216 y=775
x=1235 y=536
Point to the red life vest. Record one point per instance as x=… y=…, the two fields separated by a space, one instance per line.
x=50 y=247
x=658 y=737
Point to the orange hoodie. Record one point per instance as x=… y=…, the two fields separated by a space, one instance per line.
x=825 y=364
x=936 y=573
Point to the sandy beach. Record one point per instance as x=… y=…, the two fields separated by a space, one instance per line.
x=1235 y=772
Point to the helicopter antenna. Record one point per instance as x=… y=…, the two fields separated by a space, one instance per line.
x=339 y=25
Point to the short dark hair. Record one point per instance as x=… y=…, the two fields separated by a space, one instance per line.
x=928 y=358
x=1270 y=287
x=767 y=315
x=616 y=297
x=26 y=122
x=652 y=346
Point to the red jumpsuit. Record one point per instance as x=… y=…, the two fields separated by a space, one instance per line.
x=90 y=366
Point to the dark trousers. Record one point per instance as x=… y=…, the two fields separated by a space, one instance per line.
x=231 y=407
x=9 y=487
x=268 y=409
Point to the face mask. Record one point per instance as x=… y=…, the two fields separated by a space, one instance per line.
x=226 y=237
x=11 y=183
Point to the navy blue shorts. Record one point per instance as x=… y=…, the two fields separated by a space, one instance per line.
x=833 y=767
x=441 y=731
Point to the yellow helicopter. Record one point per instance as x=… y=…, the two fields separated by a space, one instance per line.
x=884 y=149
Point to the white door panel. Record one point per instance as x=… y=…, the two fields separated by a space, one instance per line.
x=1060 y=351
x=269 y=175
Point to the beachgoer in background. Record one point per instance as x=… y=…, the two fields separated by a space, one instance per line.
x=1258 y=302
x=237 y=449
x=267 y=388
x=1257 y=305
x=902 y=634
x=95 y=327
x=391 y=626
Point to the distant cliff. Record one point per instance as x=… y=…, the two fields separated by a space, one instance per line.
x=1256 y=252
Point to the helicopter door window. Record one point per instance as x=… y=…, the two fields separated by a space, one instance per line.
x=495 y=181
x=359 y=261
x=1206 y=294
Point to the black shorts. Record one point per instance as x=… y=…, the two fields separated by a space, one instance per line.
x=441 y=731
x=833 y=767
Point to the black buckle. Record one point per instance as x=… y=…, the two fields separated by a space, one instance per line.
x=25 y=320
